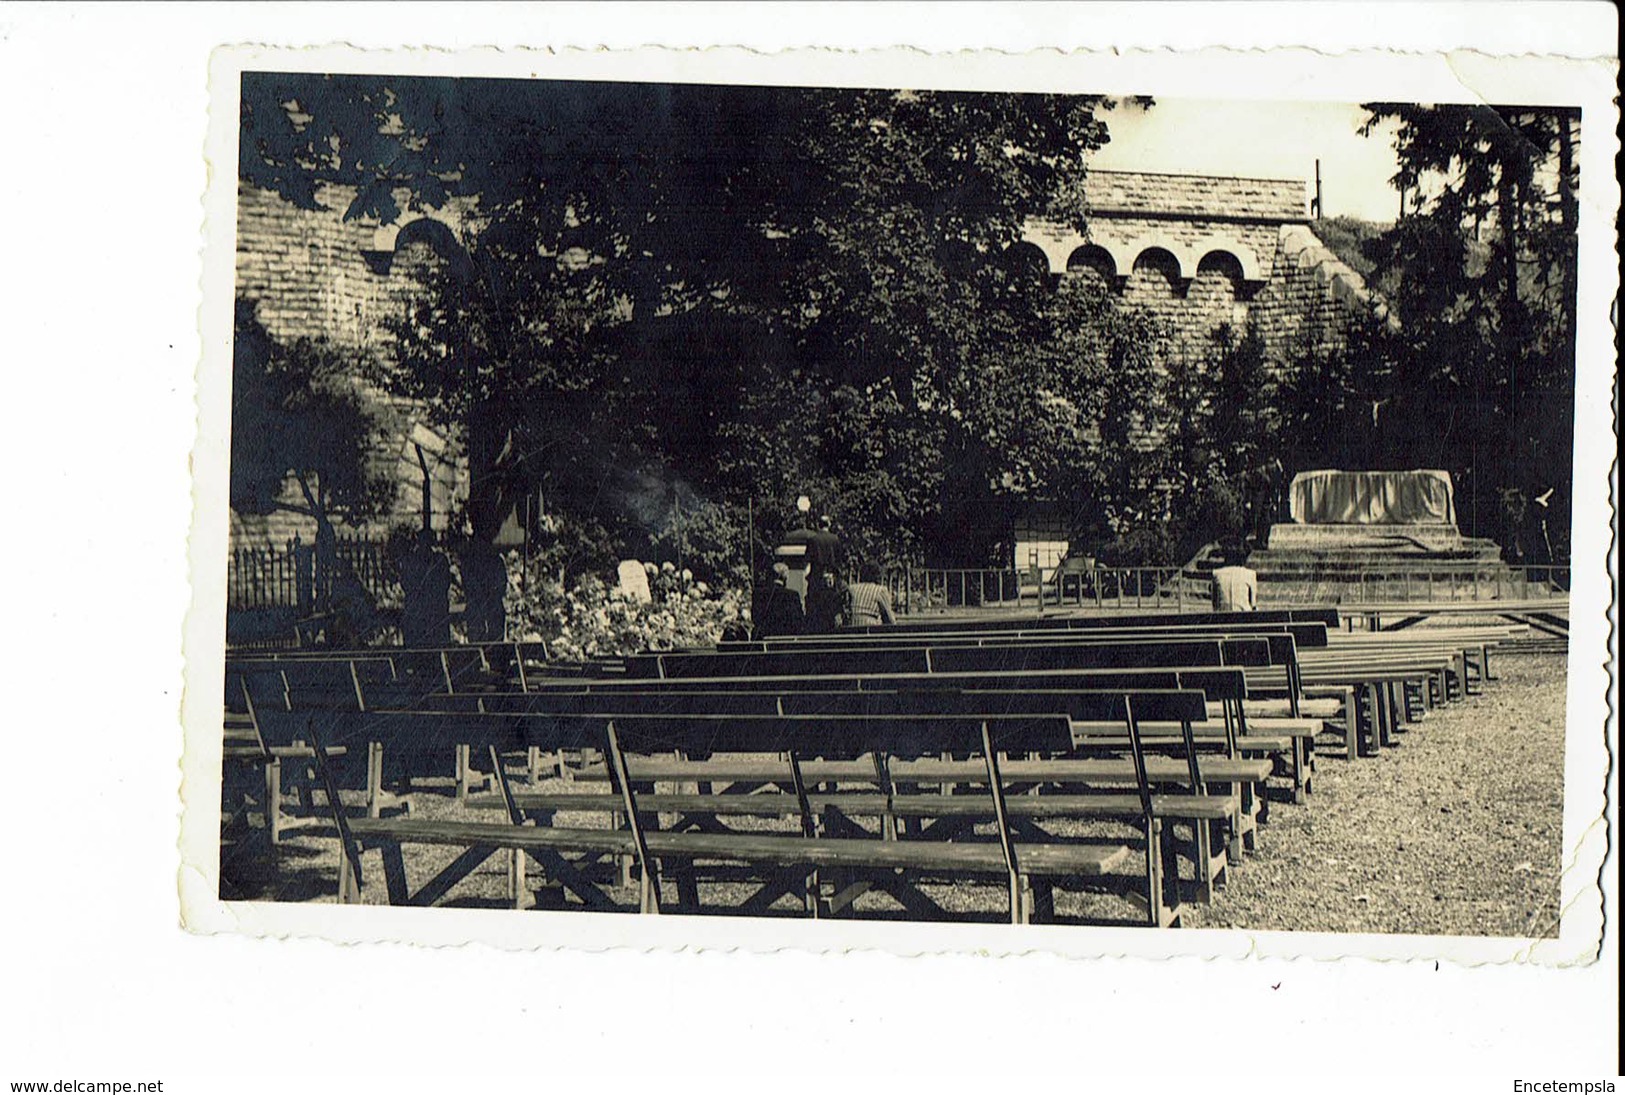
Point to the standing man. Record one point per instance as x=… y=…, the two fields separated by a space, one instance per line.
x=426 y=585
x=826 y=591
x=824 y=547
x=485 y=592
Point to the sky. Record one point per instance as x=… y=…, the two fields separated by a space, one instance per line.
x=1275 y=140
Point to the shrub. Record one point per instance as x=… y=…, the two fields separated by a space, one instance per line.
x=593 y=618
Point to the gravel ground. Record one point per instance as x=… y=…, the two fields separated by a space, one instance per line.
x=1457 y=830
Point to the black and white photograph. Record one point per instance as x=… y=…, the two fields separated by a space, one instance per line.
x=881 y=545
x=880 y=503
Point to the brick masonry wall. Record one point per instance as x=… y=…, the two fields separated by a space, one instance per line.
x=1195 y=195
x=309 y=273
x=1198 y=252
x=1195 y=251
x=1312 y=302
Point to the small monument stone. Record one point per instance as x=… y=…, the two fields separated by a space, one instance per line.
x=633 y=580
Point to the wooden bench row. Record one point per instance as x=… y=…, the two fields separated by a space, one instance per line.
x=827 y=858
x=843 y=712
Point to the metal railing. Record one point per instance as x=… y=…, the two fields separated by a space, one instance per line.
x=288 y=577
x=916 y=590
x=1418 y=583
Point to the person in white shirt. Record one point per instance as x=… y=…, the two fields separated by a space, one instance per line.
x=1235 y=585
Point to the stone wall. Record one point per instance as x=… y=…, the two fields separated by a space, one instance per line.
x=313 y=274
x=1313 y=300
x=1198 y=252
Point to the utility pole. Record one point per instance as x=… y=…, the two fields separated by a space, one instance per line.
x=1320 y=208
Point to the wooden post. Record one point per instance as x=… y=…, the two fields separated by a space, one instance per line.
x=273 y=799
x=463 y=773
x=375 y=778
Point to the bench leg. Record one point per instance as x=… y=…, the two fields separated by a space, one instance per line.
x=349 y=889
x=273 y=799
x=1202 y=838
x=375 y=778
x=1351 y=725
x=1167 y=896
x=463 y=774
x=533 y=762
x=688 y=888
x=1235 y=844
x=1153 y=872
x=1018 y=898
x=1161 y=898
x=1375 y=702
x=1041 y=900
x=518 y=895
x=623 y=862
x=647 y=902
x=395 y=886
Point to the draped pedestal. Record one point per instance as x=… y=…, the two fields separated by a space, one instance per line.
x=1373 y=498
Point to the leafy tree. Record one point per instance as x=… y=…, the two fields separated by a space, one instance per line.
x=297 y=415
x=1482 y=276
x=753 y=292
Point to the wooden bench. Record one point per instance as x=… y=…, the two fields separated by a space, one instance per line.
x=1227 y=685
x=1306 y=635
x=1239 y=777
x=1195 y=806
x=245 y=745
x=341 y=682
x=825 y=870
x=1125 y=654
x=1063 y=653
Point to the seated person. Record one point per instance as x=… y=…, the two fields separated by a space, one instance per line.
x=781 y=611
x=868 y=602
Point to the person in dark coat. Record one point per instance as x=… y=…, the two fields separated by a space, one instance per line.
x=824 y=548
x=780 y=612
x=826 y=589
x=485 y=592
x=485 y=589
x=426 y=585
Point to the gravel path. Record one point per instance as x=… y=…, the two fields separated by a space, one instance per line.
x=1456 y=831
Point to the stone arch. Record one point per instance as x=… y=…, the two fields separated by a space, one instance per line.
x=1221 y=264
x=1217 y=292
x=1156 y=281
x=1026 y=261
x=1245 y=258
x=437 y=236
x=1092 y=262
x=1184 y=262
x=1159 y=261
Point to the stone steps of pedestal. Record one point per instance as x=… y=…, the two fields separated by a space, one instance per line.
x=1298 y=558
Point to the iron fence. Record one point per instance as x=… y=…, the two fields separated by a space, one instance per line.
x=926 y=589
x=1417 y=583
x=916 y=590
x=290 y=577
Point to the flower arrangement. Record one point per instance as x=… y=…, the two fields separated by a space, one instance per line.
x=594 y=618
